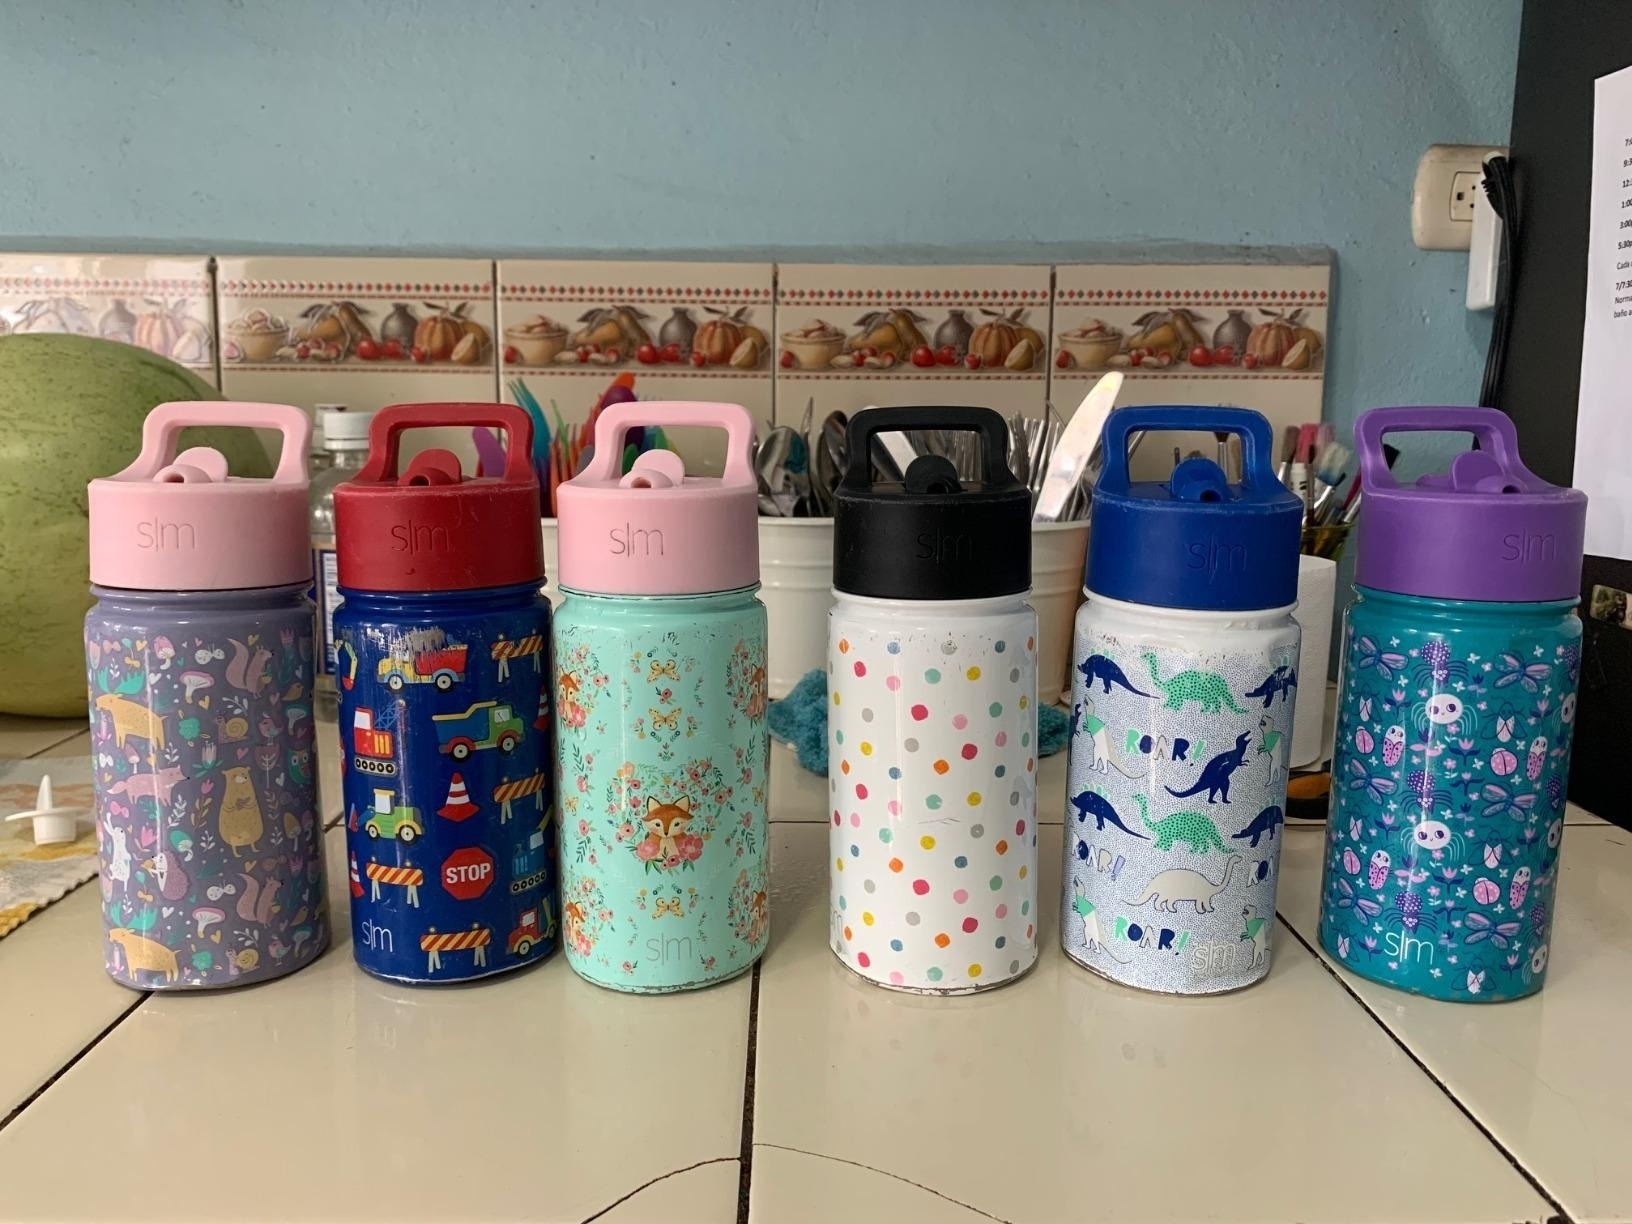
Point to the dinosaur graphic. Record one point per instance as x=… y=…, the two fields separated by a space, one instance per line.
x=1206 y=688
x=1171 y=888
x=1104 y=669
x=1088 y=803
x=1263 y=825
x=1215 y=775
x=1192 y=828
x=1272 y=743
x=1093 y=939
x=1282 y=680
x=1094 y=728
x=1257 y=930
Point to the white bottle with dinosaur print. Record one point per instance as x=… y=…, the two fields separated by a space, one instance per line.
x=1180 y=721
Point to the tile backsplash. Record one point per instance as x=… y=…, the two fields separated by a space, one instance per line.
x=360 y=332
x=162 y=304
x=688 y=331
x=774 y=337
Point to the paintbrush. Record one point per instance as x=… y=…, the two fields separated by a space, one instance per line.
x=1331 y=466
x=1289 y=449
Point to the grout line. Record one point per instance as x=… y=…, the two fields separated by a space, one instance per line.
x=72 y=1062
x=886 y=1173
x=745 y=1165
x=1563 y=1216
x=56 y=743
x=618 y=1202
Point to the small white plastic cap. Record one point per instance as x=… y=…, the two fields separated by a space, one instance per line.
x=52 y=825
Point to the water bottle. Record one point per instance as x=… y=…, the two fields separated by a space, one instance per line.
x=444 y=704
x=932 y=721
x=661 y=698
x=1183 y=694
x=198 y=652
x=345 y=447
x=1456 y=704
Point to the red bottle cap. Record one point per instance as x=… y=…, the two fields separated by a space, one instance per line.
x=432 y=528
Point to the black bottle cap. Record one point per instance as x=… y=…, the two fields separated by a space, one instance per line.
x=931 y=535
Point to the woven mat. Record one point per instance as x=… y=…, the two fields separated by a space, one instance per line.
x=31 y=877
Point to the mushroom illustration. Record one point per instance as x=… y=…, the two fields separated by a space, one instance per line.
x=206 y=916
x=300 y=935
x=193 y=681
x=165 y=650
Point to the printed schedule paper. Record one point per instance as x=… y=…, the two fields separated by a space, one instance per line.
x=1603 y=438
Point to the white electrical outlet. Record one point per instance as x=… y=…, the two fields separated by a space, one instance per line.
x=1448 y=179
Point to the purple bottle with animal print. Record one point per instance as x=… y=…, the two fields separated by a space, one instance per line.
x=198 y=653
x=1456 y=706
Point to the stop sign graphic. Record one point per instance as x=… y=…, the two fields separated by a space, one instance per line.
x=468 y=873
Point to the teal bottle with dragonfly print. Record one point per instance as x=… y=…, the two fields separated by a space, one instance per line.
x=1456 y=707
x=661 y=701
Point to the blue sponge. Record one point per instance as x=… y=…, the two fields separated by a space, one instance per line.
x=800 y=720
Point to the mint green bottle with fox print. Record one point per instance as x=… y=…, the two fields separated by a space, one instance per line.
x=660 y=704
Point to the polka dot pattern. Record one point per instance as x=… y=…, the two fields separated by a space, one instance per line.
x=930 y=734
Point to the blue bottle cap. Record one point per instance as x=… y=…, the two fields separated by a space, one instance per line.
x=1194 y=541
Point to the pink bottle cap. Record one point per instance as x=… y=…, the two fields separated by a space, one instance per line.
x=172 y=522
x=657 y=531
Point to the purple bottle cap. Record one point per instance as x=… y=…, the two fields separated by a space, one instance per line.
x=1488 y=529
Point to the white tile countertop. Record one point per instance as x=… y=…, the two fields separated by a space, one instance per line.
x=800 y=1093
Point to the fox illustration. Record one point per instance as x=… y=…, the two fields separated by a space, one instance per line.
x=666 y=821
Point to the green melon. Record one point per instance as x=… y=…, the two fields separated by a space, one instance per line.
x=71 y=409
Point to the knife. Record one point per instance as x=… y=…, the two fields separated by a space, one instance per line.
x=1076 y=446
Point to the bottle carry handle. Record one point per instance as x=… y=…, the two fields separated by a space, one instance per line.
x=1257 y=465
x=606 y=464
x=1498 y=445
x=390 y=423
x=994 y=439
x=158 y=460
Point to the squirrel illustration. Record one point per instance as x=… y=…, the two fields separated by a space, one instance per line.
x=258 y=902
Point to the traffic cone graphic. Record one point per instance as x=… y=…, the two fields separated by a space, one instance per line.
x=356 y=880
x=542 y=722
x=458 y=806
x=351 y=821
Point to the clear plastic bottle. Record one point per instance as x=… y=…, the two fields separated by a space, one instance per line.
x=345 y=446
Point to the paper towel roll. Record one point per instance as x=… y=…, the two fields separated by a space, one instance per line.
x=1317 y=590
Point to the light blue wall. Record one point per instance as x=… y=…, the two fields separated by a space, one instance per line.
x=970 y=126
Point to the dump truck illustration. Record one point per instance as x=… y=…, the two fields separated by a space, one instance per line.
x=443 y=666
x=487 y=724
x=392 y=819
x=527 y=934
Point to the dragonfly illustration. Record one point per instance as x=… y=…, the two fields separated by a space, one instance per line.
x=1480 y=928
x=1527 y=676
x=1376 y=786
x=1500 y=800
x=1349 y=899
x=1387 y=663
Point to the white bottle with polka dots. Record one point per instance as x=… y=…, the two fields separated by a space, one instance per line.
x=932 y=725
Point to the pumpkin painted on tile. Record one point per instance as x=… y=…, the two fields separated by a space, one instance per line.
x=157 y=330
x=441 y=332
x=718 y=338
x=1278 y=334
x=994 y=339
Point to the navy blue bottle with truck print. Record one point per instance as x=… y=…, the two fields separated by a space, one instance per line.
x=446 y=745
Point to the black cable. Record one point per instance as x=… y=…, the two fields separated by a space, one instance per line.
x=1504 y=202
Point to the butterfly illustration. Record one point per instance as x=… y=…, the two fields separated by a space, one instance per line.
x=667 y=905
x=1349 y=900
x=669 y=721
x=1377 y=786
x=1501 y=800
x=1480 y=928
x=1527 y=676
x=664 y=669
x=1476 y=981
